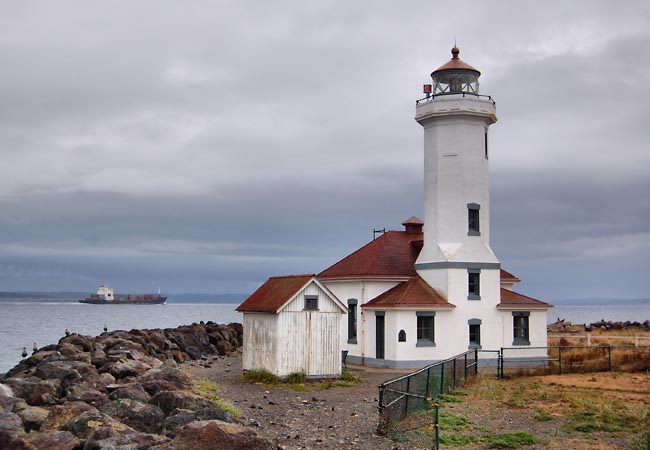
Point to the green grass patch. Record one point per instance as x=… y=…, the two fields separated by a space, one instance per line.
x=542 y=416
x=449 y=398
x=208 y=389
x=451 y=422
x=511 y=440
x=458 y=440
x=299 y=382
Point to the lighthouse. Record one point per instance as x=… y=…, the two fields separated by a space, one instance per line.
x=456 y=258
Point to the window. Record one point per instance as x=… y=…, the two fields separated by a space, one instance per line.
x=311 y=302
x=520 y=328
x=474 y=333
x=401 y=336
x=425 y=329
x=352 y=320
x=473 y=224
x=473 y=284
x=486 y=144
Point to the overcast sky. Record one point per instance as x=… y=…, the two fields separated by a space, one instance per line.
x=204 y=146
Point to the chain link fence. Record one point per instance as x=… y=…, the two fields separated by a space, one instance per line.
x=408 y=408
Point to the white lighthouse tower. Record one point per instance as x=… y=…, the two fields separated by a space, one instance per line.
x=456 y=258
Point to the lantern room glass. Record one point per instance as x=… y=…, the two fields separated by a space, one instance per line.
x=455 y=82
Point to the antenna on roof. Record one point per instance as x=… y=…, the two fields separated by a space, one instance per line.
x=376 y=231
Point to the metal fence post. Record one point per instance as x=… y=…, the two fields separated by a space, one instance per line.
x=476 y=362
x=609 y=358
x=454 y=377
x=559 y=358
x=465 y=369
x=500 y=364
x=427 y=389
x=442 y=378
x=406 y=399
x=437 y=427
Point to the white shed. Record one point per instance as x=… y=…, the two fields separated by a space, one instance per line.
x=292 y=324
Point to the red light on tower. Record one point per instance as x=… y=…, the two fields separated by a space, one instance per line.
x=427 y=89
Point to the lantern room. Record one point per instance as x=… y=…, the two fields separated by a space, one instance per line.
x=455 y=77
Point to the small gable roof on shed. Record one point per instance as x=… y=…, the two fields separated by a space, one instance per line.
x=278 y=291
x=413 y=293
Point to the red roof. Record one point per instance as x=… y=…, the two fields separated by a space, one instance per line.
x=455 y=63
x=412 y=293
x=270 y=296
x=511 y=299
x=507 y=277
x=391 y=255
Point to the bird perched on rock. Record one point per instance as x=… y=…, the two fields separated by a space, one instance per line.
x=24 y=353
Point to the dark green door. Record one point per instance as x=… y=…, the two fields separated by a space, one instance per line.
x=380 y=332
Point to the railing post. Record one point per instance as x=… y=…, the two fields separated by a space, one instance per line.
x=454 y=377
x=437 y=427
x=465 y=369
x=476 y=362
x=442 y=378
x=559 y=358
x=500 y=364
x=406 y=399
x=609 y=358
x=427 y=389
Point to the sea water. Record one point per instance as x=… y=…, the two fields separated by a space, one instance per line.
x=24 y=323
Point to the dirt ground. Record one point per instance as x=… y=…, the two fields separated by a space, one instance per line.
x=346 y=417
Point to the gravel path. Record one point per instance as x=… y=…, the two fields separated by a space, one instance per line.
x=336 y=418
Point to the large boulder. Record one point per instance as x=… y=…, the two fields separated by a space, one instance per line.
x=140 y=416
x=132 y=391
x=168 y=401
x=93 y=421
x=133 y=441
x=32 y=416
x=85 y=392
x=212 y=435
x=11 y=422
x=35 y=391
x=60 y=415
x=182 y=417
x=54 y=440
x=15 y=441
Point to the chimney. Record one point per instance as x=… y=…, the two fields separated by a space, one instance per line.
x=413 y=225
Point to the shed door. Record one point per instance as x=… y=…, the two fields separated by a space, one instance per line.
x=380 y=332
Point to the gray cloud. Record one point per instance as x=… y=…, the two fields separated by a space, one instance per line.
x=207 y=146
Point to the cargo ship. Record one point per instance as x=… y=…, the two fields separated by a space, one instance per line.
x=106 y=296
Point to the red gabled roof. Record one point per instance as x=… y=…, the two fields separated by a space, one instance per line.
x=270 y=296
x=508 y=277
x=391 y=255
x=511 y=299
x=412 y=293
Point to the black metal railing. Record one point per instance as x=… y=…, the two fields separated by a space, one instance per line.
x=431 y=97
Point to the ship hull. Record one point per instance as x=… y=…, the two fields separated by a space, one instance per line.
x=147 y=299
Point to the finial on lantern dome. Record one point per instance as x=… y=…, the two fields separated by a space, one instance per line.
x=455 y=52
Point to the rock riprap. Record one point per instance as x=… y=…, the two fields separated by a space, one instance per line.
x=121 y=389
